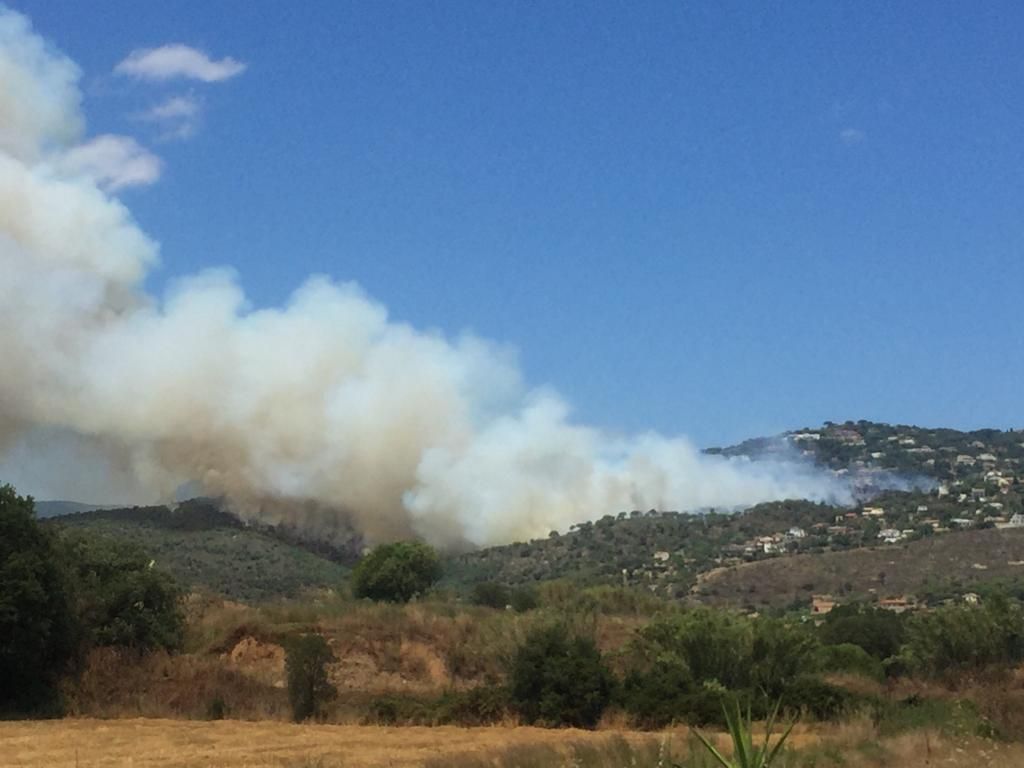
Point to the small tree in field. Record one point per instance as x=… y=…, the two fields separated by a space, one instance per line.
x=306 y=667
x=559 y=678
x=395 y=573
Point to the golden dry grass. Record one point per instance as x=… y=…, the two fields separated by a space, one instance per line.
x=141 y=743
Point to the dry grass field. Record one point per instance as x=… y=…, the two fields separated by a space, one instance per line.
x=143 y=743
x=152 y=743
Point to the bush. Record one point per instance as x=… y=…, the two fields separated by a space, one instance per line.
x=815 y=697
x=523 y=599
x=961 y=637
x=879 y=632
x=217 y=709
x=560 y=679
x=39 y=630
x=780 y=654
x=122 y=599
x=680 y=667
x=658 y=696
x=396 y=573
x=483 y=705
x=712 y=646
x=847 y=657
x=384 y=710
x=492 y=595
x=306 y=667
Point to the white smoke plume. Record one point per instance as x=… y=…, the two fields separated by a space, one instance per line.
x=318 y=410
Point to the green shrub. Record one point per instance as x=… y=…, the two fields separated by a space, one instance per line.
x=523 y=599
x=306 y=667
x=878 y=632
x=483 y=705
x=658 y=696
x=963 y=637
x=217 y=709
x=745 y=754
x=122 y=599
x=814 y=697
x=559 y=678
x=40 y=638
x=715 y=646
x=492 y=595
x=396 y=573
x=847 y=657
x=780 y=654
x=384 y=710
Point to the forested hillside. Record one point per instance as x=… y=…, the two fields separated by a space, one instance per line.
x=207 y=548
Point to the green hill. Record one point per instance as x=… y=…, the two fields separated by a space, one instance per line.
x=204 y=547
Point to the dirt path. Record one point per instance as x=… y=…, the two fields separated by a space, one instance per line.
x=231 y=744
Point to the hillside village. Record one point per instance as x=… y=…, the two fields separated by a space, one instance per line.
x=910 y=484
x=952 y=480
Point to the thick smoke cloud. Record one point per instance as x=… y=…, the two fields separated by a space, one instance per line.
x=319 y=411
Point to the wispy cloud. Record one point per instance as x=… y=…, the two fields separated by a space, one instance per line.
x=174 y=108
x=178 y=61
x=851 y=136
x=178 y=116
x=114 y=162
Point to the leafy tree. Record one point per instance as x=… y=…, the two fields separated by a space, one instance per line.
x=122 y=598
x=660 y=693
x=879 y=632
x=780 y=654
x=559 y=678
x=39 y=635
x=396 y=573
x=491 y=594
x=309 y=688
x=962 y=637
x=681 y=667
x=713 y=645
x=847 y=657
x=524 y=599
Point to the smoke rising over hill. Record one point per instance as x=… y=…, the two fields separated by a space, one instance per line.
x=321 y=409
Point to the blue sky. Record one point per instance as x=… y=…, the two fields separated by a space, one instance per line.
x=699 y=218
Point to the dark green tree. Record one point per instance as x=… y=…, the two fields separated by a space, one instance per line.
x=39 y=633
x=309 y=688
x=877 y=631
x=396 y=573
x=560 y=678
x=122 y=598
x=492 y=595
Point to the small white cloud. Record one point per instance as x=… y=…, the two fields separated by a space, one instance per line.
x=113 y=162
x=851 y=136
x=177 y=60
x=178 y=116
x=174 y=108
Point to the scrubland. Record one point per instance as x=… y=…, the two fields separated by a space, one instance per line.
x=396 y=663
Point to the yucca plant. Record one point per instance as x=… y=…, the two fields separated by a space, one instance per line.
x=744 y=754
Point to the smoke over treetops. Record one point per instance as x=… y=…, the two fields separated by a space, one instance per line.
x=323 y=407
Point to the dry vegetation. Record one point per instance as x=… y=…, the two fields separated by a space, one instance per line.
x=235 y=654
x=174 y=744
x=141 y=743
x=964 y=559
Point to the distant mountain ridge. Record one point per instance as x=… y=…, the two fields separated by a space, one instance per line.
x=58 y=508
